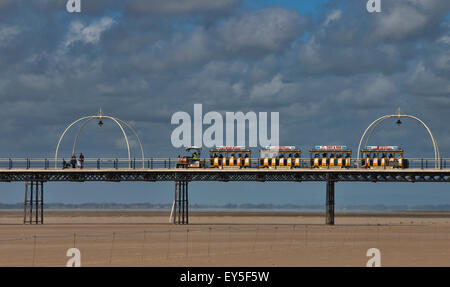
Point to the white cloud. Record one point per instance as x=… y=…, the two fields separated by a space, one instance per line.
x=402 y=22
x=332 y=16
x=88 y=34
x=444 y=40
x=7 y=33
x=270 y=89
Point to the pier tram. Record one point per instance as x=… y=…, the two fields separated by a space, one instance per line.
x=191 y=159
x=383 y=157
x=280 y=157
x=335 y=156
x=230 y=157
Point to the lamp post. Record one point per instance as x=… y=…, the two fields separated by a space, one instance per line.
x=100 y=116
x=378 y=121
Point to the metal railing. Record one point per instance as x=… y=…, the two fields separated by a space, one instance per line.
x=167 y=163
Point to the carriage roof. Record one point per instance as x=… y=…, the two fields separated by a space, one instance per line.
x=280 y=149
x=330 y=148
x=387 y=149
x=226 y=149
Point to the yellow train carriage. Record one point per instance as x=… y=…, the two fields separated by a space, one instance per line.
x=230 y=157
x=383 y=157
x=336 y=156
x=280 y=157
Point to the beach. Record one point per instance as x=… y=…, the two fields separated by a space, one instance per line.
x=225 y=238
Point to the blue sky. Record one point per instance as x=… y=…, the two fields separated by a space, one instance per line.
x=328 y=67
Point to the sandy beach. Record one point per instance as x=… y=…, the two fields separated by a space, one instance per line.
x=146 y=238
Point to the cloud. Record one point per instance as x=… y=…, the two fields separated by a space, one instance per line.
x=270 y=29
x=319 y=57
x=444 y=40
x=401 y=23
x=373 y=91
x=407 y=19
x=5 y=3
x=422 y=80
x=249 y=35
x=272 y=92
x=7 y=33
x=332 y=16
x=174 y=7
x=346 y=41
x=88 y=34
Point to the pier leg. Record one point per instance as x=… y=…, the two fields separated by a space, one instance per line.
x=33 y=206
x=175 y=204
x=183 y=195
x=179 y=202
x=42 y=202
x=25 y=204
x=330 y=203
x=31 y=203
x=37 y=203
x=187 y=204
x=181 y=206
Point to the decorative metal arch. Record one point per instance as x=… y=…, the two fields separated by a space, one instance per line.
x=101 y=116
x=378 y=121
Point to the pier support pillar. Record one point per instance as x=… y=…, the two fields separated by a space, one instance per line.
x=181 y=203
x=330 y=202
x=33 y=206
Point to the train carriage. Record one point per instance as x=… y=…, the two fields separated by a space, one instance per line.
x=230 y=157
x=191 y=160
x=280 y=157
x=335 y=156
x=383 y=157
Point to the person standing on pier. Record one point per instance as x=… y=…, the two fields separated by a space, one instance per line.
x=73 y=161
x=81 y=159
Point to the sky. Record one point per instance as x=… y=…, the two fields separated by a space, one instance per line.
x=328 y=67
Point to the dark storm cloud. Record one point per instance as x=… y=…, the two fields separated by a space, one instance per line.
x=144 y=60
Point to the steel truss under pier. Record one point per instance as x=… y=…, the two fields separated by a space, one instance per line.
x=33 y=206
x=181 y=206
x=261 y=175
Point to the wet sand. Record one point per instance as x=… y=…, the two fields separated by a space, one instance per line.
x=235 y=238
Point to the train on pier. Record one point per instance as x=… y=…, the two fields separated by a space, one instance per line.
x=289 y=157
